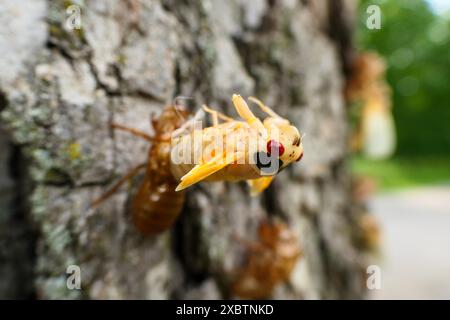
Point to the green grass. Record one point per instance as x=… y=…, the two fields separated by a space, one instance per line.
x=404 y=172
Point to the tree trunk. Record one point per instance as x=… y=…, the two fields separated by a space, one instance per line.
x=60 y=89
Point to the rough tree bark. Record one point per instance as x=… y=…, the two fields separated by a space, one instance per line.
x=60 y=89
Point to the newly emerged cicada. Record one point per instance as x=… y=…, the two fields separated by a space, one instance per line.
x=183 y=154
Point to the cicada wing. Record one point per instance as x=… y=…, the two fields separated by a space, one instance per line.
x=259 y=185
x=203 y=170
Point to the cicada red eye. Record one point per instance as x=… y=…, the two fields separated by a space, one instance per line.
x=275 y=145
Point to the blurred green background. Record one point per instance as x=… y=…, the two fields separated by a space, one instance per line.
x=414 y=40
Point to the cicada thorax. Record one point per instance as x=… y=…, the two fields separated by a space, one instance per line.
x=157 y=205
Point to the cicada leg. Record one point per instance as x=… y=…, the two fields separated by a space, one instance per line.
x=133 y=131
x=190 y=124
x=130 y=174
x=216 y=115
x=244 y=111
x=263 y=107
x=259 y=185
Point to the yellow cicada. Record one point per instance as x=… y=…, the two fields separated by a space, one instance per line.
x=234 y=150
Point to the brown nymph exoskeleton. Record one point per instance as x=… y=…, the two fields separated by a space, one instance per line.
x=269 y=261
x=156 y=205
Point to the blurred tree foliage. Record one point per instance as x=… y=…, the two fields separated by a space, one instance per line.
x=415 y=42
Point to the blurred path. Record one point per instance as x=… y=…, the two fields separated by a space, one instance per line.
x=415 y=261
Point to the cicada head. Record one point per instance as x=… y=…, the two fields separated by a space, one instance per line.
x=283 y=141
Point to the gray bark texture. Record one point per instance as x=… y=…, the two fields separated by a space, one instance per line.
x=61 y=88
